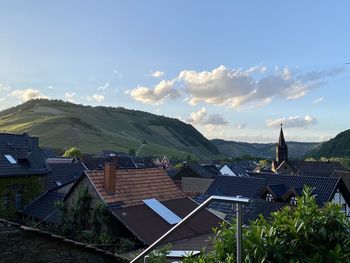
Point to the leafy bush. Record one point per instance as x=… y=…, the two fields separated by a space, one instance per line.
x=72 y=152
x=305 y=233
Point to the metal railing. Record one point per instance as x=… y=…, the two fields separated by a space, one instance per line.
x=237 y=200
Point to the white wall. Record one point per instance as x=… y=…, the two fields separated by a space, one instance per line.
x=225 y=170
x=339 y=199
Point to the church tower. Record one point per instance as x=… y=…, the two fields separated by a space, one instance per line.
x=281 y=149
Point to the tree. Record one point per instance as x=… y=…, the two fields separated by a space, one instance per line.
x=72 y=153
x=301 y=233
x=132 y=152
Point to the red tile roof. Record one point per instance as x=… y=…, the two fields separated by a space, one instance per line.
x=135 y=185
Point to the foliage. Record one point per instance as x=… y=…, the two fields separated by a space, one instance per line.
x=29 y=187
x=72 y=152
x=264 y=163
x=83 y=222
x=125 y=245
x=159 y=256
x=339 y=146
x=305 y=233
x=132 y=151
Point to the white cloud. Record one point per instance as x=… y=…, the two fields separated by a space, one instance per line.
x=319 y=100
x=241 y=126
x=103 y=87
x=251 y=88
x=201 y=117
x=4 y=87
x=28 y=94
x=96 y=98
x=50 y=87
x=117 y=73
x=157 y=74
x=292 y=122
x=70 y=96
x=156 y=95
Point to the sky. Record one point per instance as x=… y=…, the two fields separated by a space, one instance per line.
x=233 y=69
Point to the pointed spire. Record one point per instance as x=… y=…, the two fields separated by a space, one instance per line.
x=281 y=141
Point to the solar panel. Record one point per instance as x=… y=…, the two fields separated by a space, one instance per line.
x=162 y=211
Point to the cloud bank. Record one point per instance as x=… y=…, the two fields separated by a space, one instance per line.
x=201 y=117
x=293 y=122
x=28 y=94
x=234 y=88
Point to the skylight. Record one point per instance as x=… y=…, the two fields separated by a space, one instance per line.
x=162 y=211
x=10 y=159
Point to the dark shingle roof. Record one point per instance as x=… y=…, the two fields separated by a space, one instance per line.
x=196 y=170
x=148 y=226
x=251 y=187
x=97 y=163
x=324 y=187
x=48 y=152
x=62 y=173
x=319 y=169
x=233 y=186
x=237 y=169
x=44 y=207
x=250 y=212
x=211 y=168
x=30 y=160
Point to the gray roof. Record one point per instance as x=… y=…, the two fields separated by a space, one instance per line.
x=44 y=207
x=62 y=173
x=319 y=169
x=252 y=187
x=24 y=149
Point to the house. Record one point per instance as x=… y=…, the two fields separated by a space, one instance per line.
x=97 y=163
x=274 y=191
x=233 y=169
x=196 y=178
x=138 y=161
x=198 y=171
x=145 y=203
x=23 y=171
x=60 y=179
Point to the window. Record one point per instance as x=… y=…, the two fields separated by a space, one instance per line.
x=293 y=200
x=18 y=199
x=10 y=159
x=269 y=197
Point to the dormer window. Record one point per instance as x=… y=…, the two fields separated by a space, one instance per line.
x=269 y=197
x=293 y=200
x=10 y=159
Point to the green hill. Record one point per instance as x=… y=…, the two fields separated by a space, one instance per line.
x=263 y=150
x=339 y=146
x=63 y=125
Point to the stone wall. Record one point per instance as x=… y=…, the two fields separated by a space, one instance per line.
x=24 y=244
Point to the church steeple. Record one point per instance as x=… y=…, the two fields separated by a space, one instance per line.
x=281 y=149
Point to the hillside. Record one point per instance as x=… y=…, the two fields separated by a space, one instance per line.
x=263 y=150
x=62 y=125
x=339 y=146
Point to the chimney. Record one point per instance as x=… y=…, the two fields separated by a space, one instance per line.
x=109 y=177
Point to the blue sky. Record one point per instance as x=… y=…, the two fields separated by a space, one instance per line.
x=230 y=68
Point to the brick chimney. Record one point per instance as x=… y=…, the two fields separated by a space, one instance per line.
x=109 y=177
